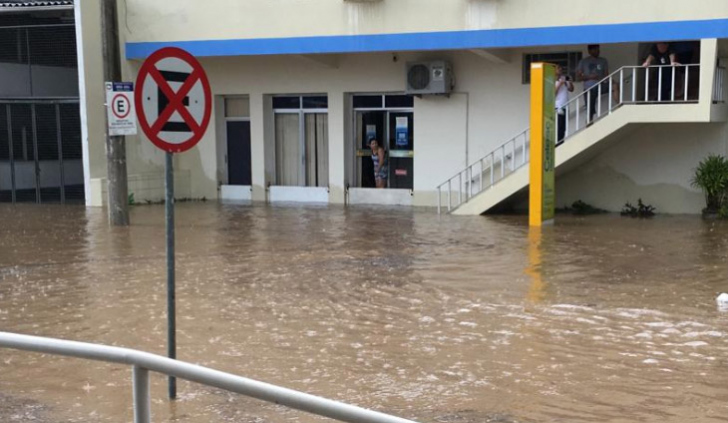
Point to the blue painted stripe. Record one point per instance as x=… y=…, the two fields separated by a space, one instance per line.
x=449 y=40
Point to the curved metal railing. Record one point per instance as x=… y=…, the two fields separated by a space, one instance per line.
x=143 y=362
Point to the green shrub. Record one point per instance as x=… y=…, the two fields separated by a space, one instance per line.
x=642 y=210
x=711 y=176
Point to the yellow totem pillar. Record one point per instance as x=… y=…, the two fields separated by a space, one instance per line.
x=542 y=196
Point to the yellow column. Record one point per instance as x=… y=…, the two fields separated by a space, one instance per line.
x=543 y=145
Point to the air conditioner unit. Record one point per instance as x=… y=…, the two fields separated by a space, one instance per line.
x=433 y=77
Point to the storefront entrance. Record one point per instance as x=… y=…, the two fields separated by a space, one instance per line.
x=390 y=120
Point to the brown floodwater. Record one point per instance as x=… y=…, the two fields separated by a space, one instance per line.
x=434 y=318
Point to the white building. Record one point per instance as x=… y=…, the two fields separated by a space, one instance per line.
x=299 y=86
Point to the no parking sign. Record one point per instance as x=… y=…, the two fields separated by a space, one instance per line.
x=174 y=99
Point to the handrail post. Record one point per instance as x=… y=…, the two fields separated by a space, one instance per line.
x=687 y=71
x=449 y=194
x=621 y=85
x=634 y=85
x=142 y=403
x=672 y=87
x=588 y=105
x=647 y=84
x=492 y=166
x=481 y=183
x=576 y=124
x=609 y=95
x=503 y=162
x=599 y=99
x=566 y=123
x=439 y=199
x=659 y=84
x=460 y=188
x=525 y=140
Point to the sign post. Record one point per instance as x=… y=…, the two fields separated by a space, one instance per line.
x=175 y=103
x=542 y=194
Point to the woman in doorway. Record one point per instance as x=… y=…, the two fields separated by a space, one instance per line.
x=379 y=157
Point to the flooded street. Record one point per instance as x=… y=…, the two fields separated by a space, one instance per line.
x=434 y=318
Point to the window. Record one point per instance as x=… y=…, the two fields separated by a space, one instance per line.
x=302 y=142
x=237 y=107
x=568 y=60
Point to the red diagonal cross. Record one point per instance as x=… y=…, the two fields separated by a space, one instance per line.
x=175 y=100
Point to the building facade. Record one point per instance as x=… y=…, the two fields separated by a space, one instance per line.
x=300 y=87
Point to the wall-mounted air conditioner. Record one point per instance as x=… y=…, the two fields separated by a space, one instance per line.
x=433 y=77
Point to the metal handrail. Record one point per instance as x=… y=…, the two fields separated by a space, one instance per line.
x=468 y=183
x=143 y=362
x=476 y=183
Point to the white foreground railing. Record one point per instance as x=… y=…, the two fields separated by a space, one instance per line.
x=627 y=85
x=143 y=362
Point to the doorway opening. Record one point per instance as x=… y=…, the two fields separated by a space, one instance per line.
x=388 y=118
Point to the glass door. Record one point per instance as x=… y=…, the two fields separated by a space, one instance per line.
x=370 y=125
x=401 y=149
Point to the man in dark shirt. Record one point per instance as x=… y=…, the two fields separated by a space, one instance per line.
x=662 y=54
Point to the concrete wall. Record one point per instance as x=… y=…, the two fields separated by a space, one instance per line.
x=190 y=19
x=91 y=93
x=654 y=162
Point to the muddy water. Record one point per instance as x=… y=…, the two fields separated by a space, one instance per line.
x=439 y=319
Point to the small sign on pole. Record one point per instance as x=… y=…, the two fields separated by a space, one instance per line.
x=175 y=103
x=120 y=108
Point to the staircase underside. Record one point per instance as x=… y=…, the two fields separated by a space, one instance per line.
x=585 y=145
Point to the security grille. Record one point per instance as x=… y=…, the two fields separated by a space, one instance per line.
x=40 y=128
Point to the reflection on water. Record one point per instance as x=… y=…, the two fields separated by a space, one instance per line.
x=440 y=319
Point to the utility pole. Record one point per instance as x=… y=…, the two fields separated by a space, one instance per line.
x=118 y=201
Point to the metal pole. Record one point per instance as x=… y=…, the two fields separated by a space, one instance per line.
x=647 y=84
x=35 y=152
x=460 y=188
x=659 y=84
x=171 y=322
x=115 y=146
x=59 y=137
x=142 y=404
x=10 y=151
x=687 y=72
x=439 y=199
x=449 y=195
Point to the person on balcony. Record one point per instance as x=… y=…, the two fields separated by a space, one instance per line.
x=563 y=87
x=591 y=70
x=664 y=56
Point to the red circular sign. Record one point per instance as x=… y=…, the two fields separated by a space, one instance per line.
x=118 y=114
x=192 y=97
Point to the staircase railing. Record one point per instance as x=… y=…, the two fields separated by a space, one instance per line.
x=483 y=174
x=626 y=85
